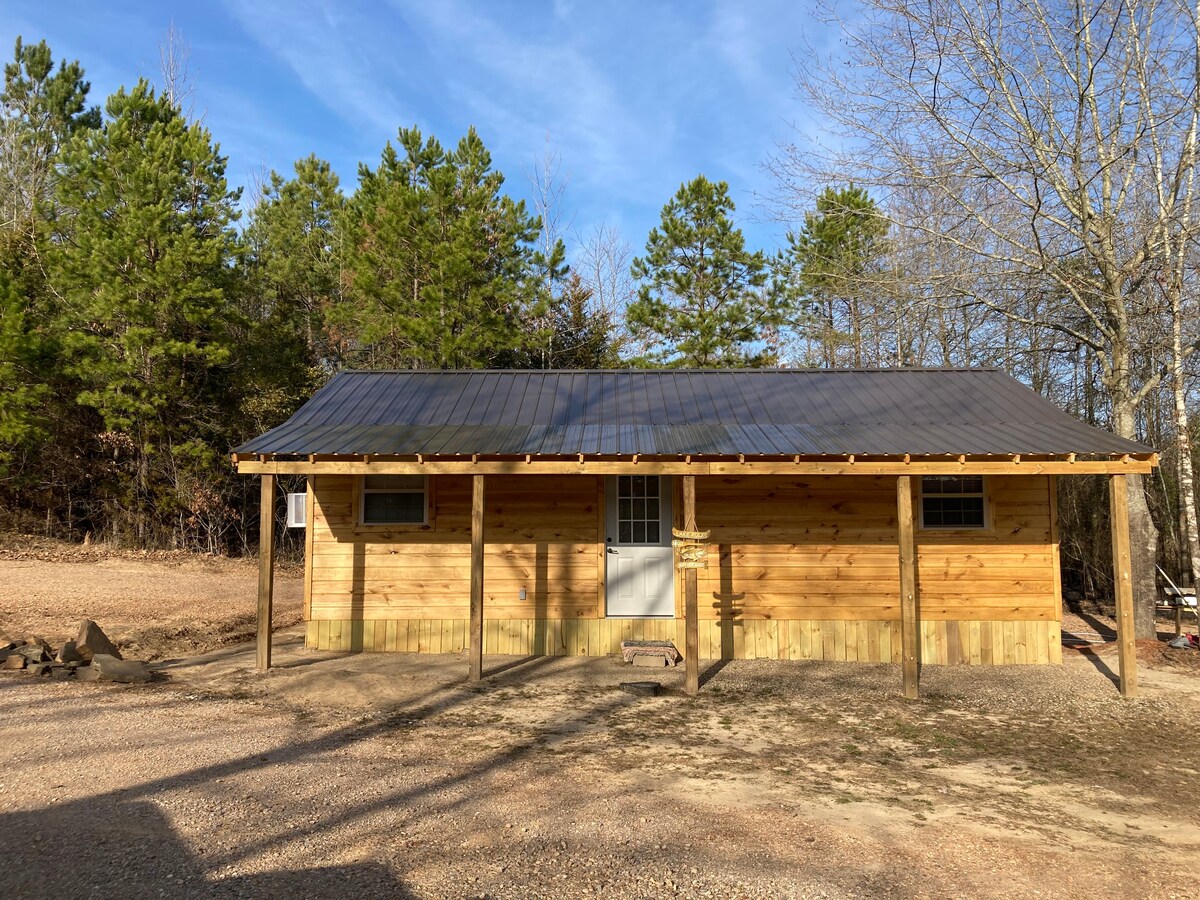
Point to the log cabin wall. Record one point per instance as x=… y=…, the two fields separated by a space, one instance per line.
x=799 y=568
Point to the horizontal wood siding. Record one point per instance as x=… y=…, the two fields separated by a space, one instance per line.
x=540 y=534
x=799 y=568
x=824 y=549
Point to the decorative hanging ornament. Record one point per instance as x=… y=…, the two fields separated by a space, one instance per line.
x=691 y=548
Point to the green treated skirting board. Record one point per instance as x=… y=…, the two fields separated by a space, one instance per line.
x=942 y=643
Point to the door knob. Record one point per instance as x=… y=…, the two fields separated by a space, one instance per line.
x=612 y=550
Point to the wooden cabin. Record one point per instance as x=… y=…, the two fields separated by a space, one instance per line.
x=903 y=515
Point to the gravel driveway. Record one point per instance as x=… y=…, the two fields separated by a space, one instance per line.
x=388 y=776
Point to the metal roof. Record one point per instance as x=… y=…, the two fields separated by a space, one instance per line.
x=772 y=412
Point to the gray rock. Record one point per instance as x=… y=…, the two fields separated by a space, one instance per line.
x=641 y=688
x=15 y=661
x=35 y=653
x=92 y=641
x=68 y=653
x=650 y=661
x=111 y=668
x=87 y=673
x=43 y=668
x=62 y=672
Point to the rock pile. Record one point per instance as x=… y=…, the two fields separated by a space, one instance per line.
x=90 y=657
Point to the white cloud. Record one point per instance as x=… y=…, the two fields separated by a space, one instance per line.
x=335 y=55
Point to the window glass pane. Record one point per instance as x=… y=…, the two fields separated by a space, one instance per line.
x=652 y=510
x=625 y=509
x=623 y=483
x=639 y=485
x=639 y=509
x=395 y=482
x=652 y=533
x=952 y=484
x=651 y=485
x=639 y=532
x=953 y=512
x=393 y=508
x=624 y=532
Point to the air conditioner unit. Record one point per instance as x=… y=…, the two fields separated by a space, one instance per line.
x=296 y=512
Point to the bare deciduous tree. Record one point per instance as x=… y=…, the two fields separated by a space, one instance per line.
x=603 y=262
x=175 y=72
x=1061 y=139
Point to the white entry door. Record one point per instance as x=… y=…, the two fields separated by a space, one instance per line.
x=640 y=567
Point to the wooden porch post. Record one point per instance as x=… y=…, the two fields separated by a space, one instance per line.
x=475 y=672
x=910 y=622
x=691 y=607
x=266 y=569
x=1118 y=508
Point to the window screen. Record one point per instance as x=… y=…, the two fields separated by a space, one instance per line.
x=952 y=501
x=393 y=499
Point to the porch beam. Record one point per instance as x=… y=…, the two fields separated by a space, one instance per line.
x=475 y=662
x=644 y=466
x=1118 y=501
x=910 y=621
x=266 y=570
x=691 y=605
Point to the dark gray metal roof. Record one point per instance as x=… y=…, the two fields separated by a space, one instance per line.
x=773 y=412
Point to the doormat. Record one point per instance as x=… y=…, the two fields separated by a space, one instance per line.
x=665 y=649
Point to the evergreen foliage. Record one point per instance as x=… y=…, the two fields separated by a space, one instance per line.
x=832 y=261
x=40 y=108
x=704 y=297
x=292 y=242
x=143 y=265
x=24 y=392
x=440 y=261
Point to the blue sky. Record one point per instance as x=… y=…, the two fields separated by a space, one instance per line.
x=634 y=97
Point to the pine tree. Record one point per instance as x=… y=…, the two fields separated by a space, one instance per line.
x=704 y=298
x=144 y=272
x=583 y=334
x=441 y=262
x=40 y=109
x=24 y=390
x=293 y=243
x=834 y=261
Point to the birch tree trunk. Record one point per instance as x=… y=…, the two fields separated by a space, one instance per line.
x=1183 y=442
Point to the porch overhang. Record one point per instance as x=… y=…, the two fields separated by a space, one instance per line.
x=743 y=464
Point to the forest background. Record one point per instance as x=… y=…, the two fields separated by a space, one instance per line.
x=1004 y=186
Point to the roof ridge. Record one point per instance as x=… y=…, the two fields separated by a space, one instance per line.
x=892 y=370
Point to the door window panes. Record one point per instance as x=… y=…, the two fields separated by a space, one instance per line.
x=638 y=509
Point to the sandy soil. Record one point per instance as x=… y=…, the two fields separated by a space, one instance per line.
x=389 y=775
x=157 y=604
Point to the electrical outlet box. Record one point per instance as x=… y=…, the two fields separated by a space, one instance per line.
x=521 y=595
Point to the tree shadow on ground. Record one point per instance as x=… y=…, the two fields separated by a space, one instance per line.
x=129 y=805
x=107 y=846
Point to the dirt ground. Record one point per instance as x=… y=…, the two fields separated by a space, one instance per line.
x=156 y=604
x=389 y=775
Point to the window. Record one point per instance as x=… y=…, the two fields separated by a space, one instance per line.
x=952 y=501
x=393 y=500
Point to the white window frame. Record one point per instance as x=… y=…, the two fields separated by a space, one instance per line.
x=362 y=506
x=982 y=494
